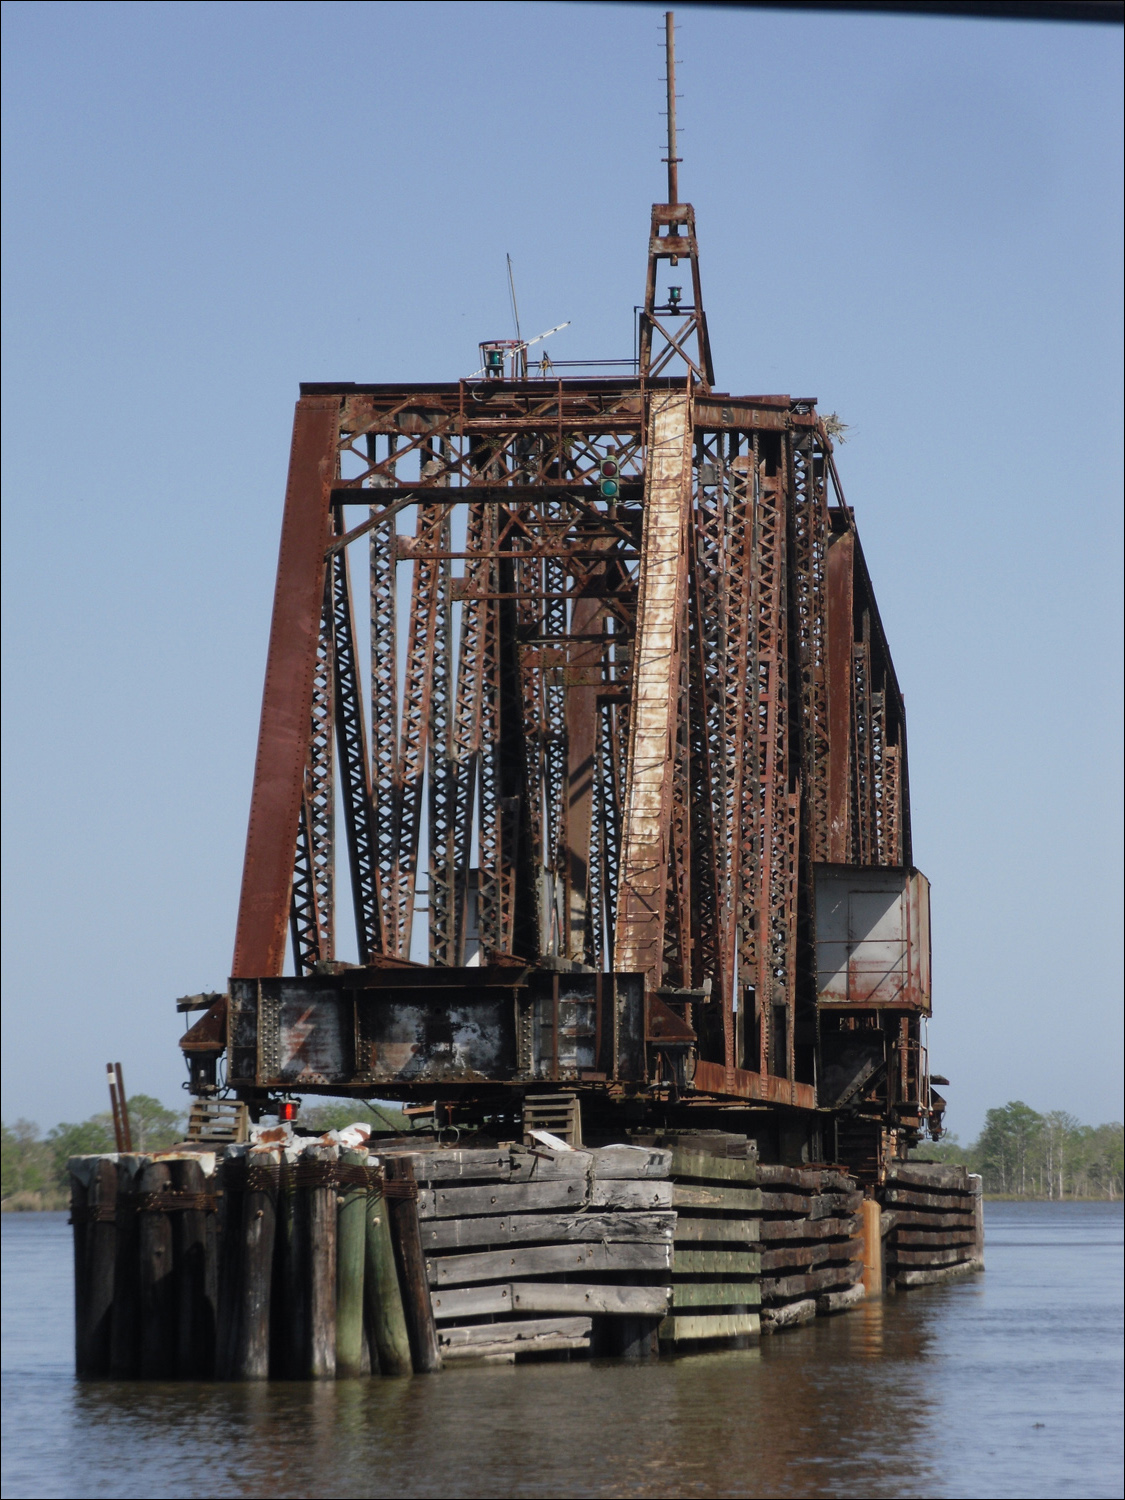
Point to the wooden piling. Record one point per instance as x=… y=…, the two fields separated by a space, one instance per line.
x=633 y=1337
x=124 y=1346
x=195 y=1307
x=289 y=1357
x=156 y=1286
x=318 y=1178
x=351 y=1234
x=101 y=1247
x=255 y=1271
x=386 y=1320
x=871 y=1229
x=232 y=1181
x=79 y=1202
x=401 y=1193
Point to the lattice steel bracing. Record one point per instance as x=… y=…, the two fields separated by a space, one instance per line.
x=610 y=728
x=312 y=905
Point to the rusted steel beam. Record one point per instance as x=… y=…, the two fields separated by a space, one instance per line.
x=839 y=611
x=643 y=892
x=283 y=735
x=740 y=1083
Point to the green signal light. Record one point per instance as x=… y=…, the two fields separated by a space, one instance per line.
x=609 y=489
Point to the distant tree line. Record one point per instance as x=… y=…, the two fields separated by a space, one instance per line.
x=1023 y=1154
x=1019 y=1153
x=33 y=1166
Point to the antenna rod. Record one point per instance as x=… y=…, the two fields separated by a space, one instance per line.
x=670 y=72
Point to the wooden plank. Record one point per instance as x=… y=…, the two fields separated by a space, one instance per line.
x=679 y=1328
x=504 y=1352
x=728 y=1199
x=941 y=1238
x=834 y=1302
x=503 y=1198
x=938 y=1275
x=716 y=1262
x=811 y=1206
x=905 y=1218
x=782 y=1288
x=832 y=1181
x=459 y=1166
x=631 y=1195
x=799 y=1205
x=804 y=1179
x=520 y=1332
x=935 y=1177
x=807 y=1229
x=697 y=1166
x=943 y=1202
x=493 y=1265
x=512 y=1229
x=716 y=1294
x=554 y=1297
x=613 y=1163
x=512 y=1164
x=789 y=1256
x=623 y=1301
x=788 y=1315
x=537 y=1164
x=736 y=1231
x=932 y=1257
x=470 y=1302
x=837 y=1205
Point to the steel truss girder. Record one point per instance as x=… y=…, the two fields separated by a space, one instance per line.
x=504 y=735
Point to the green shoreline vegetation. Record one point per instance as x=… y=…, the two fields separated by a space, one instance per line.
x=1020 y=1154
x=1025 y=1156
x=33 y=1166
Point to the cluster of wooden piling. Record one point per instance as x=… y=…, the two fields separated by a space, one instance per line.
x=812 y=1251
x=290 y=1261
x=932 y=1223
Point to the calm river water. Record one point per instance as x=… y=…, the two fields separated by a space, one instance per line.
x=1009 y=1384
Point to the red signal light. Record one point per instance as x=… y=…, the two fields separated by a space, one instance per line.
x=287 y=1111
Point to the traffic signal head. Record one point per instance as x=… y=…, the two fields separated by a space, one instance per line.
x=609 y=478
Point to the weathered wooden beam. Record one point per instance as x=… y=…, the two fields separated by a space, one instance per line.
x=732 y=1200
x=737 y=1231
x=943 y=1202
x=698 y=1167
x=549 y=1297
x=807 y=1229
x=679 y=1328
x=716 y=1262
x=716 y=1294
x=484 y=1340
x=782 y=1288
x=578 y=1259
x=610 y=1228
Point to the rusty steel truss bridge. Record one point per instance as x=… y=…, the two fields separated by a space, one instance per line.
x=578 y=699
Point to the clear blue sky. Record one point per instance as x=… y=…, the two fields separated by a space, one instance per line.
x=916 y=220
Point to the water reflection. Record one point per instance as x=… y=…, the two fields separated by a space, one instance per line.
x=952 y=1391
